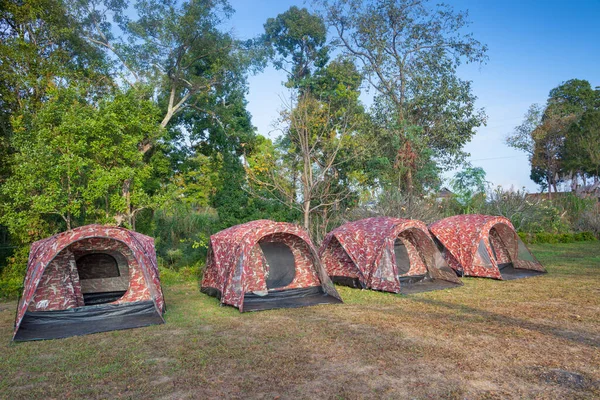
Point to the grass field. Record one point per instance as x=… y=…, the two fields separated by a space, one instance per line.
x=531 y=338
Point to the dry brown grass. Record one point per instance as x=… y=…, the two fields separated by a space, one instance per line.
x=533 y=338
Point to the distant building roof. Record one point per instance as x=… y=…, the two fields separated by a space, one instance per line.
x=444 y=193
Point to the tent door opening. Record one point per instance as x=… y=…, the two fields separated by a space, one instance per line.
x=102 y=278
x=281 y=264
x=498 y=247
x=402 y=258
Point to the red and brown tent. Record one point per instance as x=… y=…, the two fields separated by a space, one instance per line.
x=485 y=246
x=90 y=279
x=263 y=264
x=388 y=254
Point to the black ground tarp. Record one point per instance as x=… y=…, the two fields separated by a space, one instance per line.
x=509 y=273
x=408 y=284
x=289 y=298
x=42 y=325
x=427 y=285
x=424 y=283
x=347 y=281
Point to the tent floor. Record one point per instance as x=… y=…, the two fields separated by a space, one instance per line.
x=428 y=286
x=408 y=284
x=290 y=298
x=509 y=273
x=43 y=325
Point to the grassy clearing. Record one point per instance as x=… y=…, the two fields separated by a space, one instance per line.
x=532 y=338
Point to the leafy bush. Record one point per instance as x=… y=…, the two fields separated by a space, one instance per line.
x=546 y=237
x=526 y=215
x=11 y=278
x=585 y=236
x=170 y=276
x=182 y=233
x=589 y=221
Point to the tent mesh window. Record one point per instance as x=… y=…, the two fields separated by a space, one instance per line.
x=484 y=255
x=97 y=266
x=402 y=258
x=524 y=253
x=281 y=264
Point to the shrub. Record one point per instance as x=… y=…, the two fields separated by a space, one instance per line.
x=589 y=221
x=181 y=234
x=169 y=276
x=526 y=214
x=12 y=276
x=585 y=236
x=546 y=237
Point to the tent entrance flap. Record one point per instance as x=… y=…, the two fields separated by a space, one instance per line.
x=402 y=258
x=281 y=264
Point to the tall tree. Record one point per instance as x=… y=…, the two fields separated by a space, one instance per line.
x=552 y=135
x=197 y=73
x=297 y=43
x=469 y=185
x=324 y=138
x=319 y=123
x=175 y=47
x=410 y=51
x=73 y=160
x=582 y=146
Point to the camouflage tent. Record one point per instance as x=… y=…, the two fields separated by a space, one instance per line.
x=388 y=254
x=90 y=279
x=486 y=246
x=263 y=264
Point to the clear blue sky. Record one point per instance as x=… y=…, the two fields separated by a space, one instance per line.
x=533 y=47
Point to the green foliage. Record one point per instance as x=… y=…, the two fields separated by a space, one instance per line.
x=296 y=39
x=553 y=238
x=582 y=144
x=469 y=185
x=562 y=138
x=181 y=234
x=80 y=162
x=526 y=214
x=409 y=51
x=521 y=138
x=12 y=275
x=169 y=276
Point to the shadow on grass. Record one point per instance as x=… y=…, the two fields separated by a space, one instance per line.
x=585 y=338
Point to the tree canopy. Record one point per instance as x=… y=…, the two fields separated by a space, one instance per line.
x=561 y=138
x=135 y=114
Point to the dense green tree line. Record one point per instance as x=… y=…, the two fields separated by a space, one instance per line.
x=134 y=114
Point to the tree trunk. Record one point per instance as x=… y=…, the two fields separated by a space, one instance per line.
x=127 y=195
x=409 y=183
x=306 y=211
